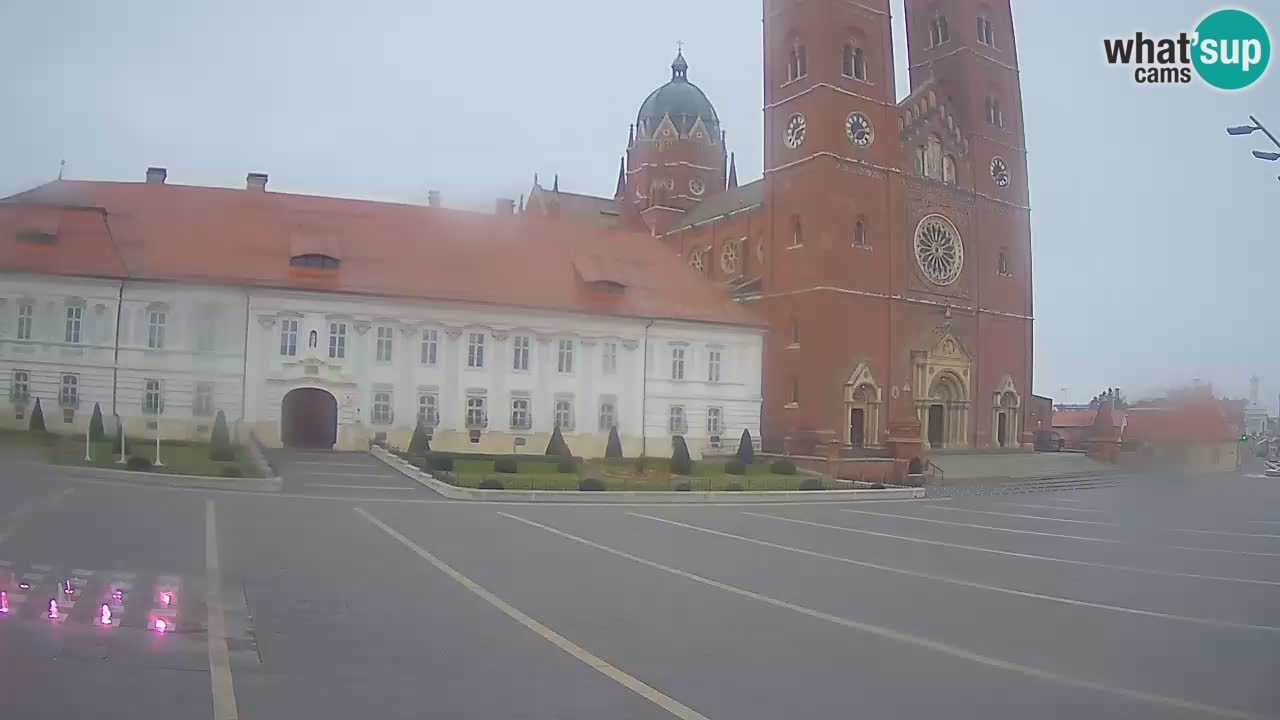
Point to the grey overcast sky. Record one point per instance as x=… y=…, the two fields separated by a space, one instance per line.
x=1157 y=258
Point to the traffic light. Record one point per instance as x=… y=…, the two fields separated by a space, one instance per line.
x=1244 y=438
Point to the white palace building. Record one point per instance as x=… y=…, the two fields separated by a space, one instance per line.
x=325 y=322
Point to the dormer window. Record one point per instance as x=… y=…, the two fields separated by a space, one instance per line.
x=322 y=262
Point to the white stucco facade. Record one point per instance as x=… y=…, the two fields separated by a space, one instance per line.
x=197 y=349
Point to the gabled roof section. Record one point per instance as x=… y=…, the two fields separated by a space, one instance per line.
x=738 y=199
x=589 y=209
x=237 y=237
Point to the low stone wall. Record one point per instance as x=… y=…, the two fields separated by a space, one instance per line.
x=875 y=470
x=554 y=496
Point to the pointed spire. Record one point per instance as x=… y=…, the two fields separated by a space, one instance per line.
x=521 y=203
x=556 y=187
x=680 y=67
x=733 y=170
x=535 y=179
x=622 y=178
x=631 y=136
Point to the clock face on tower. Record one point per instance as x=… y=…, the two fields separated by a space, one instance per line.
x=793 y=134
x=1000 y=172
x=858 y=128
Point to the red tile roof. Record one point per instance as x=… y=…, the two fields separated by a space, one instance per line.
x=1192 y=421
x=242 y=237
x=1083 y=418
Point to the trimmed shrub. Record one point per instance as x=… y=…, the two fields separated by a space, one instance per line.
x=746 y=453
x=733 y=487
x=613 y=451
x=138 y=462
x=491 y=483
x=811 y=483
x=591 y=484
x=506 y=465
x=557 y=447
x=681 y=464
x=220 y=440
x=419 y=444
x=567 y=467
x=682 y=486
x=783 y=467
x=443 y=463
x=735 y=467
x=97 y=431
x=232 y=471
x=37 y=419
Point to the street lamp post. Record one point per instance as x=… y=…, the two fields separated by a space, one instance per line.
x=1249 y=130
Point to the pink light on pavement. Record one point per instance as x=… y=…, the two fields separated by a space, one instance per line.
x=105 y=616
x=24 y=585
x=117 y=595
x=161 y=625
x=4 y=603
x=66 y=587
x=53 y=609
x=166 y=598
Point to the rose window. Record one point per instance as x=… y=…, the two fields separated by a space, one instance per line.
x=939 y=250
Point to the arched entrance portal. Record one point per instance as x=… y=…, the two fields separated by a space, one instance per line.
x=309 y=419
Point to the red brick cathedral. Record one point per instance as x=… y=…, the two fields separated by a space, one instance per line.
x=888 y=244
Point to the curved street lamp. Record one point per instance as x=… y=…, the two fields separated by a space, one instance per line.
x=1249 y=130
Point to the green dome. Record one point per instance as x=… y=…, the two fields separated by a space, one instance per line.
x=682 y=100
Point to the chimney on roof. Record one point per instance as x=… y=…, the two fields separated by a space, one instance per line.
x=156 y=175
x=505 y=206
x=256 y=181
x=433 y=198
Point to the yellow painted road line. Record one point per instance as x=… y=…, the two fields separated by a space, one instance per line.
x=579 y=653
x=14 y=520
x=224 y=696
x=913 y=640
x=970 y=584
x=1010 y=553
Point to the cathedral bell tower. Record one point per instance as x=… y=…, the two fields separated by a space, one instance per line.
x=675 y=157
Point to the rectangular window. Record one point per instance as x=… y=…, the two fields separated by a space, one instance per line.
x=69 y=396
x=608 y=414
x=564 y=414
x=610 y=361
x=337 y=340
x=565 y=361
x=520 y=353
x=715 y=420
x=289 y=338
x=74 y=314
x=520 y=417
x=202 y=404
x=429 y=408
x=677 y=363
x=677 y=424
x=155 y=329
x=68 y=415
x=381 y=408
x=384 y=344
x=477 y=413
x=26 y=313
x=206 y=333
x=713 y=366
x=20 y=391
x=152 y=398
x=475 y=350
x=430 y=345
x=795 y=390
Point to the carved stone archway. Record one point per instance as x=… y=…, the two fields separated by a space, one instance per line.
x=941 y=377
x=1006 y=415
x=862 y=401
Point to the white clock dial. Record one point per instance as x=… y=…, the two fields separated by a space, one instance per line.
x=1000 y=172
x=793 y=136
x=858 y=128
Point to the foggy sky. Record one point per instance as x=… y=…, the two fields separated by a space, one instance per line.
x=1155 y=246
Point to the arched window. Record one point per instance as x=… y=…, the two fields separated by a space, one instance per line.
x=312 y=339
x=1002 y=265
x=797 y=232
x=938 y=30
x=994 y=116
x=854 y=62
x=949 y=169
x=846 y=61
x=795 y=330
x=986 y=35
x=798 y=65
x=860 y=233
x=920 y=153
x=932 y=97
x=933 y=158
